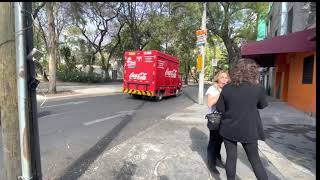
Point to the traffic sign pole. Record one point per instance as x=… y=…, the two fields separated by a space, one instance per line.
x=201 y=75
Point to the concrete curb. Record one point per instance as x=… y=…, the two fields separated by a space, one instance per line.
x=80 y=95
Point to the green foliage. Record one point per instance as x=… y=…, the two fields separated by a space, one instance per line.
x=184 y=22
x=221 y=56
x=234 y=22
x=166 y=26
x=45 y=63
x=78 y=76
x=70 y=73
x=65 y=51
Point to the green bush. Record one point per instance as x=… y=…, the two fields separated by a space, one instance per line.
x=77 y=76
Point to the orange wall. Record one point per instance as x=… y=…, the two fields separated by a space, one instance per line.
x=282 y=69
x=301 y=96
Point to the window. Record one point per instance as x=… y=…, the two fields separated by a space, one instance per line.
x=308 y=70
x=290 y=21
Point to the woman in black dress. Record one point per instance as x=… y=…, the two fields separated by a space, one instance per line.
x=239 y=102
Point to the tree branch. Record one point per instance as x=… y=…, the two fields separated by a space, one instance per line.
x=213 y=29
x=237 y=36
x=118 y=42
x=141 y=19
x=36 y=11
x=42 y=33
x=83 y=31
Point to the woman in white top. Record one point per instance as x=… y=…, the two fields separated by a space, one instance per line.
x=215 y=140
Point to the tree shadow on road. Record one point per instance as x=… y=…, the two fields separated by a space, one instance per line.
x=266 y=164
x=77 y=168
x=43 y=113
x=126 y=172
x=189 y=97
x=296 y=142
x=200 y=143
x=163 y=177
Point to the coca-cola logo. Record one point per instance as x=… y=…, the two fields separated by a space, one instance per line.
x=140 y=76
x=171 y=74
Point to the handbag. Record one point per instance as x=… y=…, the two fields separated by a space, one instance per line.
x=214 y=120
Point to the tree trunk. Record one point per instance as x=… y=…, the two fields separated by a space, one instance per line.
x=9 y=119
x=136 y=44
x=105 y=67
x=57 y=50
x=44 y=76
x=51 y=48
x=58 y=60
x=186 y=74
x=233 y=52
x=90 y=71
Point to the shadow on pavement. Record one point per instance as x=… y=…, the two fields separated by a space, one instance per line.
x=296 y=142
x=263 y=160
x=77 y=168
x=43 y=113
x=164 y=177
x=199 y=143
x=126 y=171
x=189 y=97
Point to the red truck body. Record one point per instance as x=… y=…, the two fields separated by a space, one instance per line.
x=151 y=73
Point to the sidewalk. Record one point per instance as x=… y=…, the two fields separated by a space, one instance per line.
x=291 y=140
x=175 y=149
x=72 y=89
x=68 y=89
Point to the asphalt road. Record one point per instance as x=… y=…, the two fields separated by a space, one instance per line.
x=74 y=132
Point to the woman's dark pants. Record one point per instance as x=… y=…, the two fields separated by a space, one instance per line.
x=252 y=154
x=214 y=147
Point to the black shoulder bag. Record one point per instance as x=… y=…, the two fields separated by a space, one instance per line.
x=214 y=120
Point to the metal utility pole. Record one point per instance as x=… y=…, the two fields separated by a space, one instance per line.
x=21 y=69
x=9 y=116
x=32 y=101
x=201 y=74
x=19 y=129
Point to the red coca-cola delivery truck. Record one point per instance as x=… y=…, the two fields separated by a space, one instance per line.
x=151 y=73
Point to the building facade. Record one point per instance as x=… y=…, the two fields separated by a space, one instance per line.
x=290 y=17
x=288 y=54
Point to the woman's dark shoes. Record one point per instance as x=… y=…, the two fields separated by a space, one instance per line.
x=220 y=163
x=212 y=167
x=214 y=170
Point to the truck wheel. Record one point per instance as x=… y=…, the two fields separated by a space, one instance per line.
x=160 y=97
x=177 y=93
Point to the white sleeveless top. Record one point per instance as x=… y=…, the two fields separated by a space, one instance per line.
x=212 y=91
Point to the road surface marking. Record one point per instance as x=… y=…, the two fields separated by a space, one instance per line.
x=52 y=115
x=68 y=103
x=119 y=114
